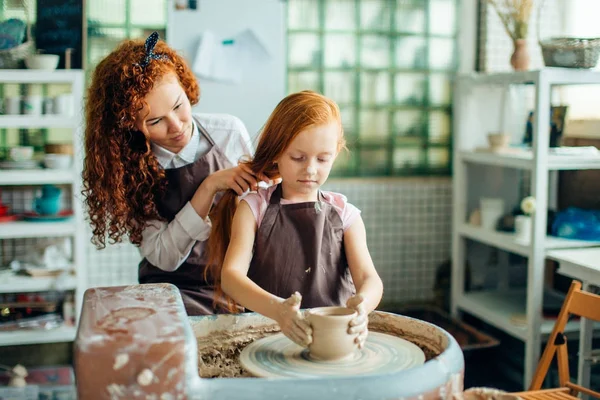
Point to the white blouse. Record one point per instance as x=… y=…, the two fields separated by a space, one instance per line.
x=167 y=245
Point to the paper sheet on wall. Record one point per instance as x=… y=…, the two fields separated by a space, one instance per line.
x=225 y=59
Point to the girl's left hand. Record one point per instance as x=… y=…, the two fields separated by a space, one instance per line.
x=359 y=325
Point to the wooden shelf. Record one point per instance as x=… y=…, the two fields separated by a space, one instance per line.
x=37 y=177
x=36 y=336
x=498 y=308
x=550 y=76
x=525 y=160
x=39 y=76
x=23 y=284
x=506 y=241
x=26 y=229
x=38 y=121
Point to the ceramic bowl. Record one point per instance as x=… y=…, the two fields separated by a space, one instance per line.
x=57 y=161
x=498 y=140
x=21 y=153
x=42 y=61
x=331 y=340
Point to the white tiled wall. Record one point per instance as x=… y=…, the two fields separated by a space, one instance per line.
x=408 y=230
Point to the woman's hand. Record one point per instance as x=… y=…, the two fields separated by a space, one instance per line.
x=292 y=321
x=359 y=325
x=239 y=179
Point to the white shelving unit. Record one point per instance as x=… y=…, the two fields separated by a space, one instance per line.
x=73 y=227
x=499 y=307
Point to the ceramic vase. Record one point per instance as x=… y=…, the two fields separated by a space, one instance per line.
x=523 y=228
x=520 y=57
x=492 y=209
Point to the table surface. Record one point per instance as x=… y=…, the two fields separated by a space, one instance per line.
x=588 y=258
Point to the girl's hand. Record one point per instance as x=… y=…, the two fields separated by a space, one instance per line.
x=239 y=179
x=359 y=325
x=292 y=321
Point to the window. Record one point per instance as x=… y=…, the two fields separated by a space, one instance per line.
x=111 y=21
x=388 y=64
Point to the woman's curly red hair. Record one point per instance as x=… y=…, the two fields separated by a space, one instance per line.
x=121 y=176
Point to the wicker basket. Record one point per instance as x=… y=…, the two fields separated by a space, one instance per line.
x=13 y=58
x=570 y=52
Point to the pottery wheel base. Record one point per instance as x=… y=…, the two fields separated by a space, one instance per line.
x=277 y=356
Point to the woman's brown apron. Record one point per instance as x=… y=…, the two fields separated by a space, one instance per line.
x=182 y=183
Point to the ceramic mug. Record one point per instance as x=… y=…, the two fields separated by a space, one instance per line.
x=32 y=104
x=12 y=105
x=49 y=202
x=330 y=337
x=46 y=206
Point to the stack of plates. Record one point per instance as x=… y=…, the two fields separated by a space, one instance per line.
x=27 y=164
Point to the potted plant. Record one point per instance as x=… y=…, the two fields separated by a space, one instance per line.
x=515 y=15
x=523 y=222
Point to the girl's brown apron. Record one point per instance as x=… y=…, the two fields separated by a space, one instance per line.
x=300 y=247
x=181 y=185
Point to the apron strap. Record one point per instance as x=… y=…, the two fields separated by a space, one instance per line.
x=203 y=131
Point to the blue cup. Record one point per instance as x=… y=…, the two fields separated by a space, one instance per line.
x=49 y=203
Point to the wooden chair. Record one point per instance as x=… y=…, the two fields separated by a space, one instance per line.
x=582 y=304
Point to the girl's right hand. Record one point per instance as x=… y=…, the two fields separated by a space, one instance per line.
x=292 y=321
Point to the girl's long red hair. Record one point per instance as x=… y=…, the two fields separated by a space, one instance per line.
x=292 y=115
x=121 y=176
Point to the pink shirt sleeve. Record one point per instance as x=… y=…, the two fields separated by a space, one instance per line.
x=348 y=212
x=258 y=202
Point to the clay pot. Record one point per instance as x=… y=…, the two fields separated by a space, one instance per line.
x=520 y=57
x=331 y=340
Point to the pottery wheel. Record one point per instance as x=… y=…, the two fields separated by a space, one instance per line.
x=277 y=356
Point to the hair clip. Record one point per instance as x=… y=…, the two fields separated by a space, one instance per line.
x=149 y=46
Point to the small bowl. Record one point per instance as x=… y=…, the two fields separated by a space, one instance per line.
x=20 y=153
x=57 y=161
x=498 y=140
x=47 y=62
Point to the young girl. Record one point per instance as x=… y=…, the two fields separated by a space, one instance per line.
x=152 y=169
x=291 y=244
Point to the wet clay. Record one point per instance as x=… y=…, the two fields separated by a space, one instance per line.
x=219 y=352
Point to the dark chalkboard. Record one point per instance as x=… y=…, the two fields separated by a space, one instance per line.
x=61 y=25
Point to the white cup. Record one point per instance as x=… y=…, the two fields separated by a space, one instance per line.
x=32 y=104
x=523 y=228
x=492 y=209
x=12 y=105
x=48 y=107
x=63 y=104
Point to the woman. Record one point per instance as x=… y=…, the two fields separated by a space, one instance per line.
x=153 y=169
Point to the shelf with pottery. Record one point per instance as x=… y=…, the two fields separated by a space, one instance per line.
x=37 y=177
x=38 y=121
x=27 y=229
x=38 y=336
x=474 y=94
x=48 y=221
x=525 y=160
x=25 y=284
x=40 y=76
x=508 y=241
x=547 y=75
x=505 y=310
